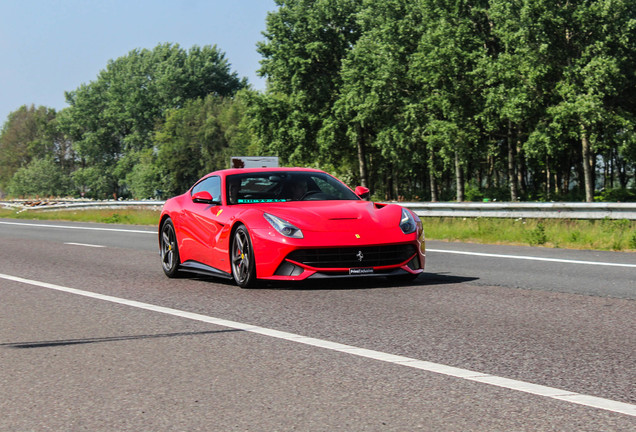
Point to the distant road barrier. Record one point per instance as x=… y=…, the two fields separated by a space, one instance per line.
x=43 y=205
x=560 y=210
x=554 y=210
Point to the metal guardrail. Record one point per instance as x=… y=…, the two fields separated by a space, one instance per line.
x=559 y=210
x=43 y=205
x=526 y=210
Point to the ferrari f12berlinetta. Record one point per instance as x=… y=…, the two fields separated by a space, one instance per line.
x=286 y=224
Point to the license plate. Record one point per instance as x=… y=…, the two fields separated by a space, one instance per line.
x=361 y=271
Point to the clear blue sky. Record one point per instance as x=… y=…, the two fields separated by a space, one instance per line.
x=48 y=47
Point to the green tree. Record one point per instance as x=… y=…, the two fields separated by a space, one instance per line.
x=597 y=85
x=31 y=133
x=118 y=112
x=528 y=95
x=200 y=138
x=449 y=95
x=144 y=178
x=41 y=177
x=375 y=87
x=94 y=181
x=517 y=71
x=305 y=42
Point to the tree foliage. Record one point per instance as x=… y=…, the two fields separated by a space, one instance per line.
x=31 y=133
x=40 y=177
x=112 y=119
x=305 y=44
x=417 y=99
x=200 y=138
x=427 y=97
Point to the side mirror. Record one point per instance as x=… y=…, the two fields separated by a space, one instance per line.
x=362 y=192
x=203 y=197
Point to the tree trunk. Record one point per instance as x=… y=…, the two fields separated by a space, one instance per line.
x=622 y=173
x=396 y=183
x=522 y=187
x=566 y=173
x=489 y=171
x=512 y=178
x=431 y=176
x=459 y=179
x=362 y=162
x=548 y=177
x=588 y=166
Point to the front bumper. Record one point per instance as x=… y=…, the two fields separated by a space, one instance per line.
x=382 y=254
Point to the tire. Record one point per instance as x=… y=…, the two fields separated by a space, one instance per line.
x=169 y=249
x=242 y=258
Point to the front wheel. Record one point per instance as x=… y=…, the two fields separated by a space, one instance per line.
x=169 y=250
x=242 y=257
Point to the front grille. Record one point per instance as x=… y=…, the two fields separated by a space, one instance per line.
x=351 y=257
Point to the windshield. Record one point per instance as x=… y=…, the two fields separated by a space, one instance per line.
x=254 y=188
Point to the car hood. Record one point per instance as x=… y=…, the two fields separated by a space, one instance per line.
x=338 y=216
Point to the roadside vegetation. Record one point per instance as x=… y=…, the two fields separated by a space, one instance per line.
x=115 y=216
x=606 y=234
x=417 y=100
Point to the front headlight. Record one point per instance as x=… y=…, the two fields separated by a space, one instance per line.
x=407 y=223
x=283 y=227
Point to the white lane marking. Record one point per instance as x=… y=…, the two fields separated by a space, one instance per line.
x=84 y=244
x=78 y=227
x=521 y=257
x=526 y=387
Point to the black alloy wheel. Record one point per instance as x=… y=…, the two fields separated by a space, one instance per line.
x=169 y=249
x=242 y=257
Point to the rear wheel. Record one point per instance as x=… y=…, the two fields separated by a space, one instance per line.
x=242 y=256
x=169 y=249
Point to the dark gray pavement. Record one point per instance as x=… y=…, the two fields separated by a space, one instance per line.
x=69 y=362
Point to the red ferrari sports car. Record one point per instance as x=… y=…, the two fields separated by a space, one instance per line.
x=286 y=224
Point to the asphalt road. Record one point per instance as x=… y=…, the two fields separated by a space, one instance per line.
x=93 y=336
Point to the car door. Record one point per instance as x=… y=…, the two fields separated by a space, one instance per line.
x=203 y=221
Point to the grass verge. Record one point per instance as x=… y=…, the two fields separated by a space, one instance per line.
x=128 y=216
x=605 y=234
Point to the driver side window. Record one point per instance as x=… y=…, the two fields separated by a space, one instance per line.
x=210 y=184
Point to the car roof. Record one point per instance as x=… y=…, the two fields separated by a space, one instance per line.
x=233 y=171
